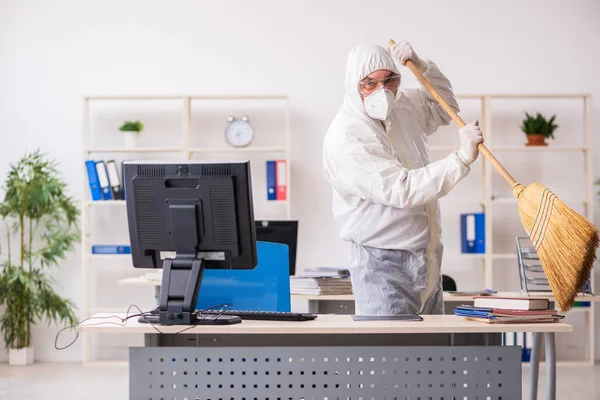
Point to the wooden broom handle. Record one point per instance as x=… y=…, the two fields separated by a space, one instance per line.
x=484 y=150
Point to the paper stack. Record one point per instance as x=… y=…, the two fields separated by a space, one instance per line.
x=321 y=281
x=501 y=310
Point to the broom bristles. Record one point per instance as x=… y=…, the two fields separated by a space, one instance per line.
x=565 y=241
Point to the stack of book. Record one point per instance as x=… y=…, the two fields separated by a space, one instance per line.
x=514 y=310
x=321 y=281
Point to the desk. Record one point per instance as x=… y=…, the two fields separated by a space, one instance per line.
x=326 y=304
x=332 y=357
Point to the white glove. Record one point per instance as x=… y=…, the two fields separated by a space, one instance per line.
x=470 y=137
x=402 y=52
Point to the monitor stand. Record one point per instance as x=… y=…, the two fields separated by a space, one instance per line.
x=179 y=294
x=183 y=274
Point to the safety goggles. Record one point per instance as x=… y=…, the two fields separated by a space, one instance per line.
x=368 y=85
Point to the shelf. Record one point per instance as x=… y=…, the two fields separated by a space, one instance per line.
x=239 y=150
x=138 y=97
x=112 y=203
x=184 y=96
x=109 y=256
x=463 y=255
x=511 y=200
x=249 y=97
x=539 y=96
x=135 y=150
x=534 y=149
x=525 y=95
x=516 y=148
x=504 y=256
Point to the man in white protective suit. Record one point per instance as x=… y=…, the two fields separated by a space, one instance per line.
x=385 y=189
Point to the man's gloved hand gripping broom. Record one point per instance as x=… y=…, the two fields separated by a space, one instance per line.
x=565 y=241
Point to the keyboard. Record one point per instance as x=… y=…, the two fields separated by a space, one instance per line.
x=263 y=315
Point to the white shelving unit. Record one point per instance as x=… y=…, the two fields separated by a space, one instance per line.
x=492 y=203
x=188 y=150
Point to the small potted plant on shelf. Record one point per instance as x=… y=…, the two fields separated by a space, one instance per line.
x=131 y=130
x=538 y=129
x=42 y=219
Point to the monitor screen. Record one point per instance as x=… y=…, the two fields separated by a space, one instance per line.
x=200 y=208
x=185 y=217
x=280 y=231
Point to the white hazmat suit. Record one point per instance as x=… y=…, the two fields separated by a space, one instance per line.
x=385 y=189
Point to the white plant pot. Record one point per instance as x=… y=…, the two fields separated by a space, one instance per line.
x=131 y=139
x=22 y=356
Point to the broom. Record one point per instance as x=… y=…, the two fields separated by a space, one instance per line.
x=565 y=241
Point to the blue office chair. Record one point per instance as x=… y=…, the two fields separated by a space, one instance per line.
x=264 y=288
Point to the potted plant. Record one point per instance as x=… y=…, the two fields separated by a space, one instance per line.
x=131 y=130
x=42 y=220
x=538 y=129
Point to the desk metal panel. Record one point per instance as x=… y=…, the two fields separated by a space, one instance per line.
x=331 y=373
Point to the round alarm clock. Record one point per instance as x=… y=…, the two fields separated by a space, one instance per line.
x=239 y=132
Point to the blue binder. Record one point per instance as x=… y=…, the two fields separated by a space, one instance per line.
x=90 y=165
x=264 y=288
x=103 y=180
x=472 y=227
x=111 y=249
x=271 y=181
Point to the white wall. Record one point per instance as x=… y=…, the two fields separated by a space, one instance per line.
x=54 y=52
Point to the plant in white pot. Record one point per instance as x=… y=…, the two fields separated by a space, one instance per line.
x=131 y=130
x=41 y=222
x=538 y=129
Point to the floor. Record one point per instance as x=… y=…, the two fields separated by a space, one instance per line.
x=72 y=381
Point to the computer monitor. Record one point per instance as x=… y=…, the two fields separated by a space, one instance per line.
x=280 y=231
x=184 y=217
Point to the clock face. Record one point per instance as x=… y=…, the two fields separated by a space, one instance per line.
x=239 y=133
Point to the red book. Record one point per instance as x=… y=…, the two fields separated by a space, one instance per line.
x=514 y=321
x=522 y=313
x=281 y=179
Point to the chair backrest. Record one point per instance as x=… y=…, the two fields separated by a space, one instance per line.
x=264 y=288
x=448 y=284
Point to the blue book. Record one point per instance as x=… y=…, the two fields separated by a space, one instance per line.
x=474 y=312
x=474 y=309
x=271 y=181
x=111 y=249
x=472 y=233
x=90 y=165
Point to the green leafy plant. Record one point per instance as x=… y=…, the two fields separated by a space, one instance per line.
x=132 y=126
x=37 y=211
x=539 y=125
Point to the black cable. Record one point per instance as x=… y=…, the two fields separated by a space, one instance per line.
x=198 y=312
x=143 y=316
x=123 y=322
x=205 y=315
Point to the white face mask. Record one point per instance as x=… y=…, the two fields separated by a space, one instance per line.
x=379 y=104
